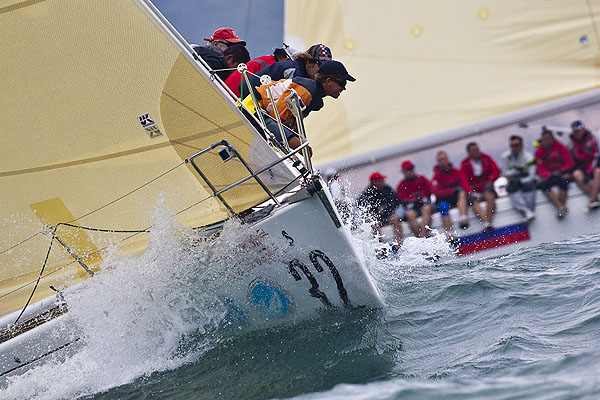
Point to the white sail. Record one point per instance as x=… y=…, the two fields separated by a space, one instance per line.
x=427 y=67
x=101 y=104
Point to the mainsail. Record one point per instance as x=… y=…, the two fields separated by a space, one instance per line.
x=101 y=104
x=429 y=66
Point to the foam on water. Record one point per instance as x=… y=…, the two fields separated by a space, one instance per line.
x=138 y=314
x=523 y=325
x=396 y=268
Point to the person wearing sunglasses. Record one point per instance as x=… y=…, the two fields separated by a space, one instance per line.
x=518 y=168
x=305 y=64
x=330 y=80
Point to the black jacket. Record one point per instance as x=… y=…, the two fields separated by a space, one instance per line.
x=213 y=56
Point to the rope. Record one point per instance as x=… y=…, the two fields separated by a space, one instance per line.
x=99 y=208
x=104 y=230
x=135 y=233
x=39 y=277
x=20 y=243
x=131 y=192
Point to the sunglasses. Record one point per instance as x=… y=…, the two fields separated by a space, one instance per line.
x=515 y=145
x=342 y=84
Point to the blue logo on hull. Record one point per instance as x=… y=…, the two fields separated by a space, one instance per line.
x=269 y=299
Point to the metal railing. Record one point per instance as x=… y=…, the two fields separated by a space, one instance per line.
x=252 y=174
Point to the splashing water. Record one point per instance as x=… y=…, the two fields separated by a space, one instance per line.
x=143 y=314
x=156 y=312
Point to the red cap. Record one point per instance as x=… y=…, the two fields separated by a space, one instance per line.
x=376 y=176
x=407 y=165
x=226 y=34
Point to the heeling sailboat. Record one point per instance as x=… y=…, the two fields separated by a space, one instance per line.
x=442 y=74
x=105 y=110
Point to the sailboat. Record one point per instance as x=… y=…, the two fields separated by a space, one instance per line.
x=106 y=109
x=442 y=74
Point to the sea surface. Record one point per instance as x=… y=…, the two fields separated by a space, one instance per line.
x=522 y=326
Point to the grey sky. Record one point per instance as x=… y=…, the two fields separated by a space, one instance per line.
x=258 y=22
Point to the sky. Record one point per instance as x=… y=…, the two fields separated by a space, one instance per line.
x=258 y=22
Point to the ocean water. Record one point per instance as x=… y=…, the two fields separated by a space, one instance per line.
x=522 y=326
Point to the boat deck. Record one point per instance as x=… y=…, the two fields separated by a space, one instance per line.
x=511 y=233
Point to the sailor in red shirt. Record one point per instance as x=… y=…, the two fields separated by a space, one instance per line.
x=253 y=66
x=584 y=151
x=450 y=189
x=413 y=191
x=481 y=171
x=553 y=163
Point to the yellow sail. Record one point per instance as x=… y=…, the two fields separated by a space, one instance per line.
x=101 y=104
x=428 y=66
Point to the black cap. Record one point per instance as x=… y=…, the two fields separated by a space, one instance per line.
x=577 y=125
x=335 y=68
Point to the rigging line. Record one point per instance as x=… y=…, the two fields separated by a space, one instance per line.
x=104 y=230
x=195 y=204
x=65 y=265
x=218 y=128
x=127 y=194
x=99 y=208
x=87 y=255
x=20 y=243
x=594 y=24
x=38 y=279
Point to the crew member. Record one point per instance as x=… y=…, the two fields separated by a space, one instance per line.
x=379 y=201
x=519 y=169
x=481 y=171
x=450 y=189
x=584 y=151
x=553 y=163
x=413 y=191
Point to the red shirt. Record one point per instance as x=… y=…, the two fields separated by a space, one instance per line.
x=584 y=152
x=255 y=65
x=555 y=159
x=445 y=181
x=414 y=189
x=490 y=172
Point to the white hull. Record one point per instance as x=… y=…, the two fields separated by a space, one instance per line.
x=323 y=272
x=510 y=234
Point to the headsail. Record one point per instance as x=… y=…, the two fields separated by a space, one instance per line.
x=427 y=67
x=101 y=104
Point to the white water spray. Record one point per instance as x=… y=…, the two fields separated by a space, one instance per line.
x=134 y=317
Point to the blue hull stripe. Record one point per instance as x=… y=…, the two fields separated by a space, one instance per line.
x=497 y=232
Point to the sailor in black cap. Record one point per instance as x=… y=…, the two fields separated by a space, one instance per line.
x=329 y=81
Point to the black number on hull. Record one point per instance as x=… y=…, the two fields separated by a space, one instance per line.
x=288 y=237
x=314 y=288
x=314 y=258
